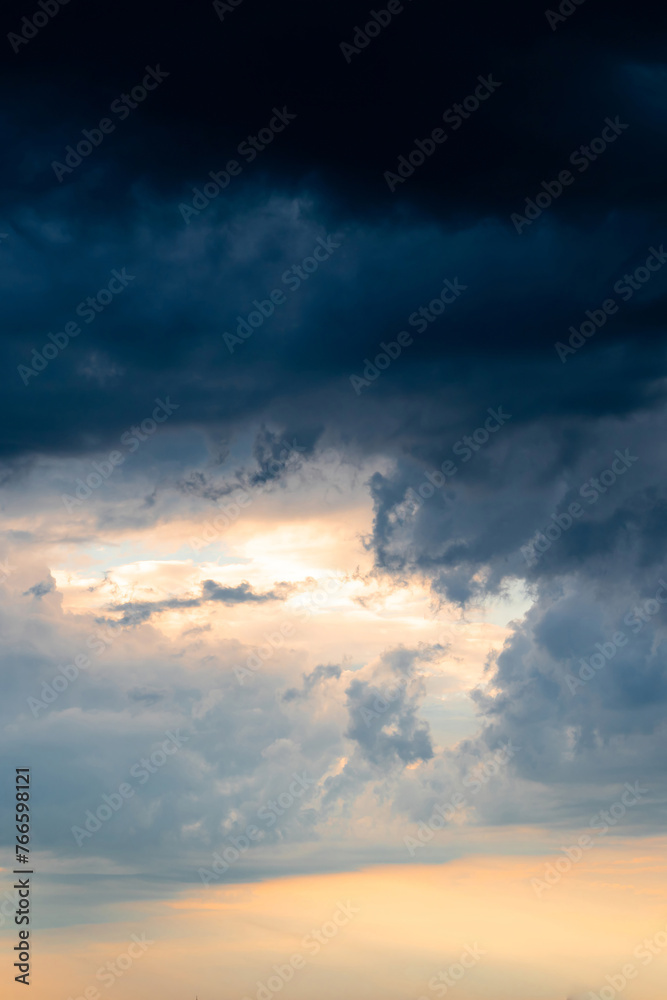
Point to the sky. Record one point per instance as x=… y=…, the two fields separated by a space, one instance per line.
x=333 y=553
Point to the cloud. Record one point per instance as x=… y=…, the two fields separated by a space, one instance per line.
x=41 y=589
x=383 y=703
x=138 y=612
x=317 y=676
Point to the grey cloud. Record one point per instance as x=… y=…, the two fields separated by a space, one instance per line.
x=41 y=589
x=383 y=706
x=312 y=680
x=138 y=612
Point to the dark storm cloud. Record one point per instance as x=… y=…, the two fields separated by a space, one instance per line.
x=190 y=283
x=505 y=510
x=119 y=209
x=353 y=119
x=496 y=343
